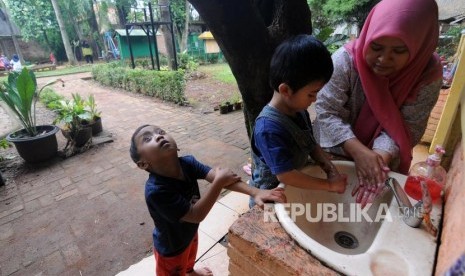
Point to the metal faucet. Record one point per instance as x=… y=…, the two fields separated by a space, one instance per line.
x=412 y=214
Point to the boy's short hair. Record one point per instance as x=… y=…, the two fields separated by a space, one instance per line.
x=298 y=61
x=133 y=149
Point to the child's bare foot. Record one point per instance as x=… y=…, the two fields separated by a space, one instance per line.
x=204 y=271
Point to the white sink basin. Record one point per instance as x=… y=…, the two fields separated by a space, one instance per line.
x=379 y=243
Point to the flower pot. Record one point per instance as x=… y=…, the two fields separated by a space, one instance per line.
x=81 y=137
x=224 y=109
x=38 y=148
x=230 y=107
x=96 y=126
x=238 y=106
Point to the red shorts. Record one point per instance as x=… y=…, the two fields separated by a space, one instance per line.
x=179 y=264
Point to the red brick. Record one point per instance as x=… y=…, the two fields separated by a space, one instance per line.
x=269 y=248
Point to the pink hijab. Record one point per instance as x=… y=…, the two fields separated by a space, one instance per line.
x=415 y=22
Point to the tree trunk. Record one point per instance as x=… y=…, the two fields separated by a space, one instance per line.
x=247 y=33
x=165 y=17
x=185 y=34
x=47 y=41
x=92 y=19
x=13 y=36
x=122 y=14
x=76 y=27
x=97 y=39
x=64 y=34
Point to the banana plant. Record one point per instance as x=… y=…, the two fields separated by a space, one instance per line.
x=20 y=94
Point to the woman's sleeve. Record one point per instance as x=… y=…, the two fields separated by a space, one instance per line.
x=416 y=116
x=332 y=125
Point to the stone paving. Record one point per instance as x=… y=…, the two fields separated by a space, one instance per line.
x=86 y=215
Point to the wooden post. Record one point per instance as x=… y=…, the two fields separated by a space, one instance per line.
x=441 y=136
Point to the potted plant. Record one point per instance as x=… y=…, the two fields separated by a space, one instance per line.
x=237 y=101
x=230 y=106
x=34 y=143
x=75 y=116
x=96 y=120
x=224 y=108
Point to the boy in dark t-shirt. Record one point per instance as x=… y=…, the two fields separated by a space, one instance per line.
x=173 y=198
x=282 y=139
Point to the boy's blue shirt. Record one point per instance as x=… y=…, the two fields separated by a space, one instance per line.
x=168 y=200
x=273 y=143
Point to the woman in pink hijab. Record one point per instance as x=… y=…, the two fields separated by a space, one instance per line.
x=375 y=108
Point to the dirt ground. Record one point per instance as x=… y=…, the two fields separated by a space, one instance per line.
x=205 y=93
x=11 y=165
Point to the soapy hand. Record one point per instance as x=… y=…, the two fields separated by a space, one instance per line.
x=367 y=193
x=371 y=167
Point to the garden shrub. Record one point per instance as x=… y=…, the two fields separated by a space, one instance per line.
x=50 y=98
x=166 y=85
x=187 y=62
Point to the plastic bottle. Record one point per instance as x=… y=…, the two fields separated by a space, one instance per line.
x=429 y=171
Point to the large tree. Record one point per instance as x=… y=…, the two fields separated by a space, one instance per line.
x=349 y=11
x=248 y=31
x=13 y=35
x=165 y=16
x=35 y=18
x=64 y=33
x=180 y=11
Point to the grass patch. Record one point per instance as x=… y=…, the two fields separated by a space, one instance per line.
x=65 y=71
x=59 y=72
x=220 y=71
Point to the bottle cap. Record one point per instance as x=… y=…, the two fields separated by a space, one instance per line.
x=435 y=158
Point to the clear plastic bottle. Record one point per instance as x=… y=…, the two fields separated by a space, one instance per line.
x=429 y=171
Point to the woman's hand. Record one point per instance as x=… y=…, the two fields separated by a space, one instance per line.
x=369 y=164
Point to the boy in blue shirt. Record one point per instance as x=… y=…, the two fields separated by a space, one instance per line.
x=173 y=198
x=283 y=139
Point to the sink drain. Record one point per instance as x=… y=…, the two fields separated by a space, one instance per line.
x=346 y=240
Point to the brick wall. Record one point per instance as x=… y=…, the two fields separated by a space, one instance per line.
x=434 y=116
x=261 y=248
x=452 y=239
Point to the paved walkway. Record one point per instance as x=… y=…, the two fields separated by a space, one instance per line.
x=86 y=215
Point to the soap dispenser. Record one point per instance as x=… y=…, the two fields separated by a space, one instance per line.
x=429 y=171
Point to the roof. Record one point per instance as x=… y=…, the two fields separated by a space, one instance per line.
x=206 y=35
x=4 y=28
x=134 y=32
x=451 y=9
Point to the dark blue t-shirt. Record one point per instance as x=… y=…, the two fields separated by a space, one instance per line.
x=168 y=200
x=273 y=144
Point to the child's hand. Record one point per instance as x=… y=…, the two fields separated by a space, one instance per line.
x=225 y=177
x=275 y=195
x=338 y=183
